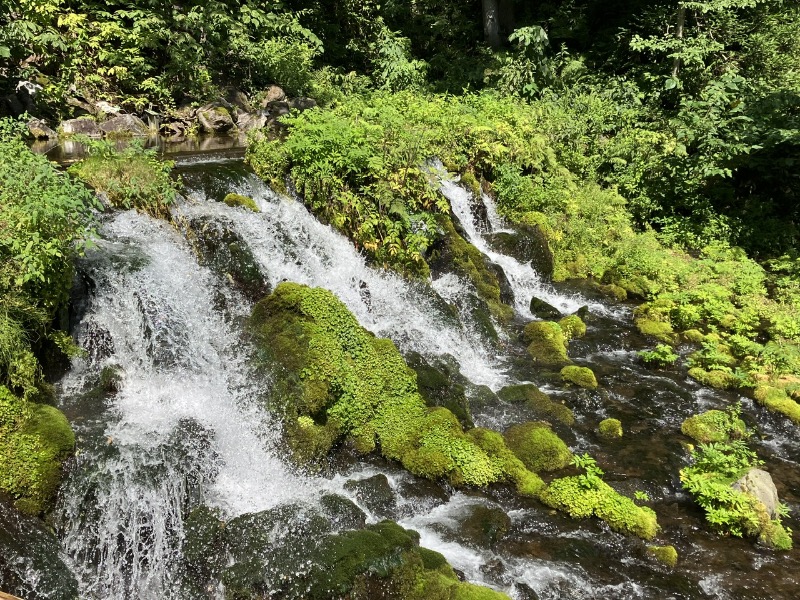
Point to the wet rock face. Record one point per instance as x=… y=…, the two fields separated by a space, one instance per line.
x=483 y=526
x=442 y=385
x=165 y=334
x=30 y=565
x=527 y=244
x=375 y=493
x=543 y=310
x=759 y=484
x=87 y=127
x=342 y=512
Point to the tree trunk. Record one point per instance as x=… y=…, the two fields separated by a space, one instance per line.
x=676 y=65
x=491 y=24
x=507 y=21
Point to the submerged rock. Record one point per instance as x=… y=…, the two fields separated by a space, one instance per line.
x=233 y=200
x=666 y=555
x=483 y=526
x=539 y=402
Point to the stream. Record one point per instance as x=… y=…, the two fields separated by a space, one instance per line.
x=181 y=424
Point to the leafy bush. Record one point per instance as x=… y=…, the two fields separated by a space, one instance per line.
x=660 y=356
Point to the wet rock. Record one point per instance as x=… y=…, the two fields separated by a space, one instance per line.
x=123 y=125
x=581 y=376
x=528 y=244
x=166 y=336
x=30 y=561
x=544 y=310
x=424 y=492
x=87 y=127
x=609 y=429
x=441 y=385
x=374 y=493
x=480 y=315
x=525 y=592
x=342 y=512
x=215 y=118
x=203 y=543
x=222 y=249
x=759 y=484
x=274 y=93
x=483 y=526
x=539 y=402
x=506 y=291
x=40 y=131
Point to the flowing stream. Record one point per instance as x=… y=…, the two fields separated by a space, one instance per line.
x=181 y=422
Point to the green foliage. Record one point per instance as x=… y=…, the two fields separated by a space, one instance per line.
x=131 y=177
x=661 y=356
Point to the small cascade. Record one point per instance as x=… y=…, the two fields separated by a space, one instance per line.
x=525 y=281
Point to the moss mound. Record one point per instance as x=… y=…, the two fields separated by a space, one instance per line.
x=713 y=426
x=664 y=554
x=337 y=381
x=580 y=376
x=538 y=447
x=532 y=397
x=777 y=400
x=572 y=326
x=660 y=330
x=610 y=429
x=546 y=343
x=716 y=378
x=36 y=439
x=234 y=200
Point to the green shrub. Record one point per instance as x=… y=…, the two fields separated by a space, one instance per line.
x=661 y=356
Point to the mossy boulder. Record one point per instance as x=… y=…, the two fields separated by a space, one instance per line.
x=483 y=526
x=666 y=555
x=614 y=291
x=543 y=310
x=716 y=378
x=540 y=403
x=582 y=498
x=441 y=385
x=538 y=447
x=713 y=426
x=610 y=429
x=580 y=376
x=337 y=380
x=234 y=200
x=573 y=327
x=661 y=330
x=547 y=345
x=36 y=440
x=374 y=493
x=342 y=512
x=777 y=400
x=528 y=244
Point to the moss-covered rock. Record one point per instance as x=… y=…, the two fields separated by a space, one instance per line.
x=374 y=493
x=543 y=310
x=540 y=403
x=234 y=200
x=36 y=440
x=661 y=330
x=716 y=378
x=713 y=426
x=610 y=429
x=538 y=447
x=440 y=385
x=547 y=345
x=777 y=400
x=580 y=376
x=693 y=336
x=572 y=326
x=613 y=291
x=666 y=555
x=337 y=377
x=483 y=526
x=581 y=499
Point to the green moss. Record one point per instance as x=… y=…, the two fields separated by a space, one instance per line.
x=547 y=345
x=538 y=401
x=664 y=554
x=36 y=438
x=538 y=447
x=777 y=400
x=339 y=381
x=572 y=326
x=774 y=535
x=580 y=376
x=469 y=180
x=468 y=591
x=610 y=429
x=613 y=291
x=660 y=330
x=694 y=336
x=573 y=496
x=713 y=426
x=243 y=201
x=715 y=378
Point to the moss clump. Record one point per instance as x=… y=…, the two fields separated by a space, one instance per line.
x=693 y=336
x=546 y=343
x=613 y=291
x=664 y=554
x=538 y=447
x=660 y=330
x=580 y=376
x=610 y=429
x=716 y=378
x=573 y=327
x=234 y=200
x=36 y=439
x=538 y=401
x=581 y=497
x=714 y=426
x=338 y=381
x=777 y=400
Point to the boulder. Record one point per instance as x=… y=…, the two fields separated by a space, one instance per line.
x=125 y=125
x=40 y=131
x=278 y=108
x=441 y=385
x=759 y=484
x=374 y=493
x=274 y=93
x=239 y=99
x=106 y=108
x=215 y=118
x=87 y=127
x=484 y=526
x=302 y=103
x=249 y=121
x=543 y=310
x=528 y=244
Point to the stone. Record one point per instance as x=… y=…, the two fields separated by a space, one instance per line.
x=215 y=118
x=528 y=244
x=87 y=127
x=239 y=99
x=40 y=131
x=441 y=385
x=484 y=526
x=759 y=484
x=274 y=93
x=278 y=108
x=107 y=108
x=302 y=103
x=374 y=493
x=343 y=513
x=125 y=125
x=543 y=310
x=249 y=121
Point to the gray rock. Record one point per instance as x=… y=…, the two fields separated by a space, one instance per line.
x=302 y=103
x=40 y=131
x=125 y=125
x=106 y=108
x=237 y=98
x=215 y=118
x=278 y=108
x=374 y=493
x=88 y=127
x=250 y=121
x=528 y=244
x=544 y=310
x=274 y=94
x=759 y=484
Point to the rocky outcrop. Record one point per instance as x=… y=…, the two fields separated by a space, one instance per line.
x=528 y=244
x=87 y=127
x=123 y=125
x=40 y=131
x=215 y=118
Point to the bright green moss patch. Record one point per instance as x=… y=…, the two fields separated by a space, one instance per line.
x=580 y=376
x=532 y=397
x=658 y=329
x=587 y=495
x=538 y=447
x=610 y=429
x=338 y=381
x=36 y=438
x=777 y=400
x=714 y=426
x=547 y=345
x=243 y=201
x=572 y=326
x=717 y=378
x=666 y=555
